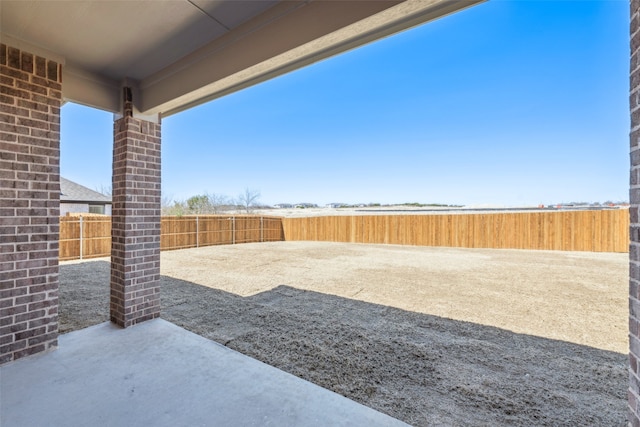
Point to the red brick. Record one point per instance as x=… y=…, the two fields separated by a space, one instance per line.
x=41 y=67
x=31 y=87
x=634 y=253
x=52 y=70
x=30 y=106
x=13 y=73
x=13 y=57
x=30 y=350
x=46 y=83
x=29 y=172
x=135 y=222
x=16 y=93
x=13 y=348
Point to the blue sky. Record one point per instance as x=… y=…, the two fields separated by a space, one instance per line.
x=507 y=103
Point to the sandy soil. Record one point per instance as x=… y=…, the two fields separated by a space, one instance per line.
x=432 y=336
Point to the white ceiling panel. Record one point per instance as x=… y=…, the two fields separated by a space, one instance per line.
x=234 y=13
x=112 y=38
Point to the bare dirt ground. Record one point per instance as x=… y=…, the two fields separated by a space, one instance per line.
x=431 y=336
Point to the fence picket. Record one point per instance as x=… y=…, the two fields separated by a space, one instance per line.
x=597 y=231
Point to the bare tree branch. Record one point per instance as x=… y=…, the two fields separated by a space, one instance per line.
x=248 y=199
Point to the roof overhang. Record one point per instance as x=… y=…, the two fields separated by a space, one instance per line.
x=178 y=54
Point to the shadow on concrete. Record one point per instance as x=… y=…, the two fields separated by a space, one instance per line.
x=422 y=369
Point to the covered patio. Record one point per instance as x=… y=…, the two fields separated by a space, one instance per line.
x=143 y=61
x=158 y=374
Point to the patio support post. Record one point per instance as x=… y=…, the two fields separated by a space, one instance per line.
x=135 y=231
x=634 y=232
x=30 y=99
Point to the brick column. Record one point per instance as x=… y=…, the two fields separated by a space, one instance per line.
x=135 y=247
x=30 y=98
x=634 y=232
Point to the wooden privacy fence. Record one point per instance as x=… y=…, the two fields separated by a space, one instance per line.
x=90 y=236
x=596 y=231
x=208 y=230
x=85 y=236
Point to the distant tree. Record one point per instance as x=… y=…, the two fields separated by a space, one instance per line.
x=248 y=199
x=218 y=202
x=199 y=204
x=172 y=207
x=210 y=203
x=176 y=208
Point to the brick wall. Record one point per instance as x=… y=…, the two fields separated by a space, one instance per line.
x=634 y=232
x=30 y=98
x=135 y=250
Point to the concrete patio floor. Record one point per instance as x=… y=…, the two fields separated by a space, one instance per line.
x=158 y=374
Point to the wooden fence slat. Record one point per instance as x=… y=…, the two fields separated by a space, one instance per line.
x=594 y=231
x=96 y=236
x=175 y=233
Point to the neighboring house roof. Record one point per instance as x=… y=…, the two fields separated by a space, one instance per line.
x=73 y=192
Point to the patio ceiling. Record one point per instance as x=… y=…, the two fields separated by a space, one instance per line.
x=180 y=53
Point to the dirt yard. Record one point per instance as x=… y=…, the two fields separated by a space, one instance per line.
x=431 y=336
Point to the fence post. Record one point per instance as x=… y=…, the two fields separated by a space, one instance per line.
x=197 y=231
x=81 y=233
x=262 y=229
x=233 y=230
